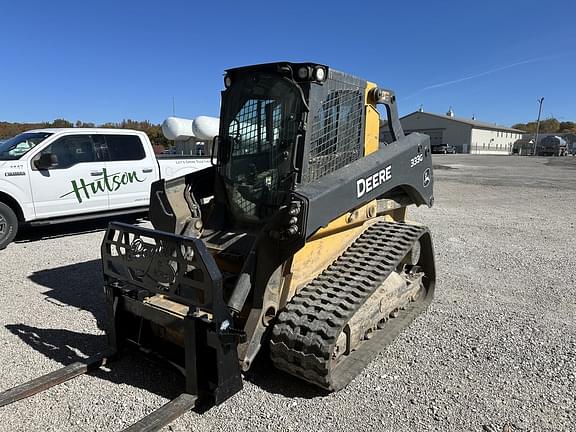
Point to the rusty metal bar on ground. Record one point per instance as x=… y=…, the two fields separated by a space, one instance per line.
x=52 y=379
x=165 y=414
x=152 y=422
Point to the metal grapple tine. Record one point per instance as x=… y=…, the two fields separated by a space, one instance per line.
x=164 y=415
x=52 y=379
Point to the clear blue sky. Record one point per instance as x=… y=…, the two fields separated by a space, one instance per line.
x=105 y=61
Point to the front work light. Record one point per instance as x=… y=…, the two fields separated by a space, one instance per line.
x=303 y=73
x=320 y=74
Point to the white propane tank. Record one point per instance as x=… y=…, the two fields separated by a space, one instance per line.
x=205 y=128
x=175 y=128
x=202 y=128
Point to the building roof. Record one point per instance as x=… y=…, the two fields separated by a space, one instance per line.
x=474 y=123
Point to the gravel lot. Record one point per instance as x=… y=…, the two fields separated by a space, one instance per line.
x=496 y=350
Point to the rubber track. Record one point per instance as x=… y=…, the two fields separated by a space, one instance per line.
x=305 y=334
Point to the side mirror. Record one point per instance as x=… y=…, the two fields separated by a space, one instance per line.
x=214 y=160
x=46 y=161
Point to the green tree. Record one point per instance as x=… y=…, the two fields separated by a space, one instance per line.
x=529 y=127
x=567 y=126
x=81 y=124
x=60 y=123
x=154 y=131
x=550 y=125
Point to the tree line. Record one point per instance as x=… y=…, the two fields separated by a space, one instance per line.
x=550 y=125
x=154 y=131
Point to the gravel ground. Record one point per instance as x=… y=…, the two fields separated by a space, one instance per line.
x=496 y=350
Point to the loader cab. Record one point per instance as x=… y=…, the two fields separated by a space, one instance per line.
x=283 y=125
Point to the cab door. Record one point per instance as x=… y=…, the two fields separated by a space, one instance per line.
x=130 y=170
x=74 y=184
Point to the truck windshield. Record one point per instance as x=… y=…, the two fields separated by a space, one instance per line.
x=260 y=118
x=21 y=144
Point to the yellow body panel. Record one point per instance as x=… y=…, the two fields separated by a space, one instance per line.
x=328 y=243
x=324 y=247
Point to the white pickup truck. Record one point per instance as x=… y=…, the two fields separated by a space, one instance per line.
x=58 y=175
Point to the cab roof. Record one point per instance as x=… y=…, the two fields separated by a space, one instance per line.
x=84 y=130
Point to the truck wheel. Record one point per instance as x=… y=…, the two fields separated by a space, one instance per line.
x=8 y=225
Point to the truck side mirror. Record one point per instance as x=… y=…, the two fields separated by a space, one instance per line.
x=46 y=161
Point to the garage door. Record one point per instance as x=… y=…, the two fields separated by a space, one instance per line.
x=436 y=137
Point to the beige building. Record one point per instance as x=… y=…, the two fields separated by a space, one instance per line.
x=466 y=135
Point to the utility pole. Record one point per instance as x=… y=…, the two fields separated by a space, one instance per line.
x=538 y=125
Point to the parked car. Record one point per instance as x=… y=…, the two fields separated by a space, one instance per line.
x=552 y=146
x=444 y=149
x=52 y=176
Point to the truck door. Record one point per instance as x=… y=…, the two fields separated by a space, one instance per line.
x=75 y=182
x=130 y=171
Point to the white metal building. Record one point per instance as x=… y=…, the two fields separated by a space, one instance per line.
x=466 y=135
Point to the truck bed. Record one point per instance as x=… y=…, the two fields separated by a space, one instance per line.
x=176 y=165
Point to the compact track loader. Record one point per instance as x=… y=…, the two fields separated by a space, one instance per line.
x=295 y=242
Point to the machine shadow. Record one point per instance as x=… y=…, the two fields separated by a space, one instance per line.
x=131 y=367
x=263 y=374
x=144 y=371
x=30 y=234
x=79 y=285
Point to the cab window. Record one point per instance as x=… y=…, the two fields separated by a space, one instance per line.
x=124 y=147
x=71 y=150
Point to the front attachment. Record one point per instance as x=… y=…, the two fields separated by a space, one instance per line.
x=164 y=293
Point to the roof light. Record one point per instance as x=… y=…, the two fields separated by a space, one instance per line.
x=227 y=81
x=303 y=73
x=320 y=74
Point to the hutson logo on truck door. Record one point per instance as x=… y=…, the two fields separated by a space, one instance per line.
x=108 y=182
x=373 y=181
